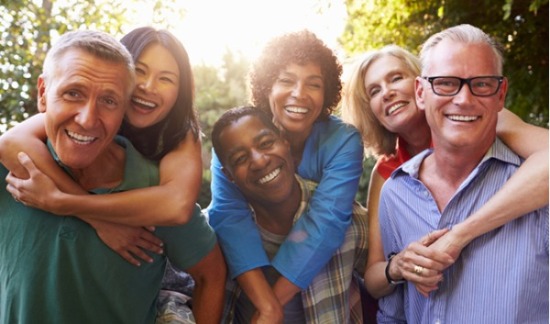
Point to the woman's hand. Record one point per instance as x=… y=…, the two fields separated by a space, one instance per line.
x=130 y=242
x=419 y=264
x=38 y=191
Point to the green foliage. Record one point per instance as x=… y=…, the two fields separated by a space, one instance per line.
x=361 y=195
x=217 y=89
x=28 y=27
x=521 y=26
x=26 y=30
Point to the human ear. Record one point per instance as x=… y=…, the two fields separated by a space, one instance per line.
x=41 y=85
x=502 y=93
x=419 y=93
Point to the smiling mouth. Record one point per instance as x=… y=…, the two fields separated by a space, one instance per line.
x=462 y=118
x=396 y=107
x=269 y=177
x=144 y=104
x=80 y=139
x=296 y=110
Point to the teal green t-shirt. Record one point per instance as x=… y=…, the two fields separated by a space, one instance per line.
x=55 y=269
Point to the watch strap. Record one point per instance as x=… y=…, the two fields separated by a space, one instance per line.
x=387 y=272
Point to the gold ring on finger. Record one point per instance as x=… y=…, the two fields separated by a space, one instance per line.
x=418 y=270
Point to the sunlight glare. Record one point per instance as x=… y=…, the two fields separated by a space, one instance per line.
x=212 y=26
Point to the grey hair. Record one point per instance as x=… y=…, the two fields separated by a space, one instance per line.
x=464 y=34
x=97 y=43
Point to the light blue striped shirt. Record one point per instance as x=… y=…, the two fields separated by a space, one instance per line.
x=500 y=277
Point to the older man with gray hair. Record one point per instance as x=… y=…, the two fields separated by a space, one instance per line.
x=55 y=269
x=501 y=276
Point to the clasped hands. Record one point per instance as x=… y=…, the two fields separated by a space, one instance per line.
x=422 y=262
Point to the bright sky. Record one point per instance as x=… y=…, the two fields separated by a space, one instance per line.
x=211 y=26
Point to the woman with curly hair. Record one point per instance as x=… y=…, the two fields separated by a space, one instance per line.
x=379 y=99
x=296 y=80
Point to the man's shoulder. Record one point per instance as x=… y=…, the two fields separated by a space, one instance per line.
x=410 y=168
x=189 y=243
x=500 y=151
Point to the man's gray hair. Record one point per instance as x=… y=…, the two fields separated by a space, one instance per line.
x=99 y=44
x=463 y=34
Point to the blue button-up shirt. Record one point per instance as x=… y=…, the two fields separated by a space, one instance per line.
x=500 y=277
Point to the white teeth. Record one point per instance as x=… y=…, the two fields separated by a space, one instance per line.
x=395 y=107
x=143 y=102
x=462 y=118
x=298 y=110
x=272 y=175
x=80 y=138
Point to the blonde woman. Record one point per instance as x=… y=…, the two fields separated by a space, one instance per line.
x=379 y=100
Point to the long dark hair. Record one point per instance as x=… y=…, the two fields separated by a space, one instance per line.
x=158 y=139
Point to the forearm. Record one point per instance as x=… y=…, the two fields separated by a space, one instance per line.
x=321 y=229
x=375 y=278
x=209 y=292
x=39 y=154
x=29 y=135
x=260 y=293
x=285 y=290
x=207 y=305
x=302 y=255
x=376 y=282
x=525 y=191
x=152 y=206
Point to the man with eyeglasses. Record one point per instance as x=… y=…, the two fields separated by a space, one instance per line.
x=501 y=276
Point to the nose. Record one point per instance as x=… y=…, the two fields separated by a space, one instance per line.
x=258 y=160
x=87 y=116
x=387 y=93
x=147 y=84
x=464 y=95
x=298 y=90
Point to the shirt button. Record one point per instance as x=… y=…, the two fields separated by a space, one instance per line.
x=437 y=322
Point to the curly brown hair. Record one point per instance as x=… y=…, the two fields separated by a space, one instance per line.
x=301 y=48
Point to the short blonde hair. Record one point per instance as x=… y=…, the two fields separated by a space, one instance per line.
x=356 y=109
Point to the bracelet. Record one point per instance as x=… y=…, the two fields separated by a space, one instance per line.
x=387 y=272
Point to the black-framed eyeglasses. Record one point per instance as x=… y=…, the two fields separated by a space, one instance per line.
x=482 y=86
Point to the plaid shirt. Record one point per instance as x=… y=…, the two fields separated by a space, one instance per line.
x=333 y=296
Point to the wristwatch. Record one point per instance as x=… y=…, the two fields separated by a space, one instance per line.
x=387 y=272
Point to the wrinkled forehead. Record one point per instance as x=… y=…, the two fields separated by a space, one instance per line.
x=57 y=63
x=244 y=133
x=450 y=54
x=84 y=71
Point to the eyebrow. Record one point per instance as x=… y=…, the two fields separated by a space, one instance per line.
x=262 y=134
x=78 y=83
